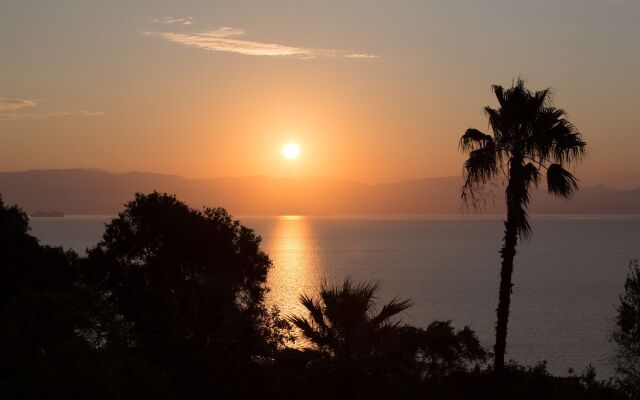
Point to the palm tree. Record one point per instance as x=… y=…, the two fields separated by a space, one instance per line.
x=342 y=322
x=530 y=136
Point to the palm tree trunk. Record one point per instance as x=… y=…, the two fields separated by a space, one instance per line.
x=507 y=253
x=515 y=214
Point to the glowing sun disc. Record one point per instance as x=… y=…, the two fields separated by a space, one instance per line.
x=291 y=151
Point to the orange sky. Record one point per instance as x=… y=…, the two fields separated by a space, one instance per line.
x=373 y=91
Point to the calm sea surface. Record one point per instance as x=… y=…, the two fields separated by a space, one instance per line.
x=567 y=276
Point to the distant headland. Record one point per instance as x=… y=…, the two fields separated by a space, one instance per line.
x=93 y=192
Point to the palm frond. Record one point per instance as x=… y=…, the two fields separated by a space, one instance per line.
x=495 y=122
x=568 y=144
x=531 y=175
x=390 y=309
x=540 y=142
x=349 y=326
x=347 y=306
x=500 y=95
x=480 y=167
x=554 y=138
x=561 y=182
x=307 y=329
x=541 y=98
x=473 y=139
x=366 y=292
x=315 y=311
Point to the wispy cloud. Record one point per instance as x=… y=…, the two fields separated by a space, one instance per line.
x=173 y=20
x=9 y=104
x=91 y=113
x=225 y=40
x=19 y=116
x=12 y=109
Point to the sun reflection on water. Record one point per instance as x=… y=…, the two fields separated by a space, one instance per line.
x=295 y=264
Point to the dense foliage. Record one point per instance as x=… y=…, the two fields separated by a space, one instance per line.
x=170 y=305
x=49 y=324
x=627 y=333
x=187 y=290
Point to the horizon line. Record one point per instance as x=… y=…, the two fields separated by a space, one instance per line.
x=220 y=177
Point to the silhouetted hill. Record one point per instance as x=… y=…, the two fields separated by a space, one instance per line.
x=87 y=191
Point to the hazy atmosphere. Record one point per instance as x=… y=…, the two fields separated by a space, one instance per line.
x=371 y=90
x=311 y=200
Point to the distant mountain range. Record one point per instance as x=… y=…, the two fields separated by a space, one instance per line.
x=88 y=191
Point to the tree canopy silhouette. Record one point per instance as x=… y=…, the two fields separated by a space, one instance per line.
x=627 y=333
x=24 y=262
x=441 y=350
x=187 y=287
x=529 y=136
x=48 y=325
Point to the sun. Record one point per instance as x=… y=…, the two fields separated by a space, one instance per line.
x=291 y=151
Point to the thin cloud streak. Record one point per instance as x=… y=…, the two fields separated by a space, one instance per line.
x=12 y=109
x=9 y=104
x=91 y=113
x=22 y=115
x=173 y=20
x=223 y=40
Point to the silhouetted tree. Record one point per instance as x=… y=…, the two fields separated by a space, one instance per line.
x=187 y=287
x=342 y=321
x=529 y=135
x=24 y=262
x=48 y=326
x=627 y=333
x=441 y=350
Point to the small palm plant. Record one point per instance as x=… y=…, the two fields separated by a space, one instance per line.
x=342 y=321
x=530 y=136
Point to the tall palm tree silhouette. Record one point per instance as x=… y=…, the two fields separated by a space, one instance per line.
x=342 y=321
x=529 y=136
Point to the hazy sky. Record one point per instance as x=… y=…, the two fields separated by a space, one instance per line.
x=371 y=90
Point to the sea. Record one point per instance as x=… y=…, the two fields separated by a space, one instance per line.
x=567 y=279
